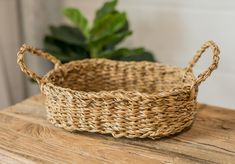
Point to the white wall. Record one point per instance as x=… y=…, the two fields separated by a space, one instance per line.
x=11 y=79
x=172 y=29
x=22 y=21
x=175 y=29
x=36 y=16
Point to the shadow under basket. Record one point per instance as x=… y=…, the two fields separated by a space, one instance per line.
x=125 y=99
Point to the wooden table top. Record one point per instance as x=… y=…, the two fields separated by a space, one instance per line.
x=26 y=137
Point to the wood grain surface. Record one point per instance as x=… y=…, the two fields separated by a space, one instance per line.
x=26 y=137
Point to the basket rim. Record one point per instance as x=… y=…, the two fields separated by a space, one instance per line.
x=161 y=94
x=188 y=69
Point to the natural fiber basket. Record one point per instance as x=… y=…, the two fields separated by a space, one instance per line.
x=131 y=99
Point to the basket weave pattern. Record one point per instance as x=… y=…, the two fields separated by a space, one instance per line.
x=130 y=99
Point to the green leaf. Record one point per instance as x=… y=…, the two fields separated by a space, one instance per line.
x=52 y=46
x=80 y=52
x=68 y=34
x=125 y=27
x=145 y=56
x=78 y=19
x=107 y=8
x=118 y=37
x=64 y=51
x=109 y=42
x=138 y=54
x=108 y=25
x=105 y=28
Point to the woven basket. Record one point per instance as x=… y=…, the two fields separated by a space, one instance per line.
x=130 y=99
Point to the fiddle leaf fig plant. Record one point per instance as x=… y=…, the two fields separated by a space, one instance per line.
x=96 y=40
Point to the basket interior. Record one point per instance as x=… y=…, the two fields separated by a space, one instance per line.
x=105 y=75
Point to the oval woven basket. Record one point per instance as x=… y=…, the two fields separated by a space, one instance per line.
x=130 y=99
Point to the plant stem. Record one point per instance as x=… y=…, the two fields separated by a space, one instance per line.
x=93 y=53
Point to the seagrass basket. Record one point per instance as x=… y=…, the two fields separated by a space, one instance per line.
x=130 y=99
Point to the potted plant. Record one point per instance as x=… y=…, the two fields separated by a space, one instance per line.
x=96 y=40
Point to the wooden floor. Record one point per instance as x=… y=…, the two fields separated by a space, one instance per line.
x=26 y=137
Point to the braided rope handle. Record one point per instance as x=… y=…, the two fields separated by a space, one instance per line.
x=215 y=60
x=34 y=51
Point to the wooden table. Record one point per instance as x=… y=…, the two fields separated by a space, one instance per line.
x=26 y=137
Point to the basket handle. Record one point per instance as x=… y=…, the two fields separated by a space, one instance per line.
x=34 y=51
x=215 y=60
